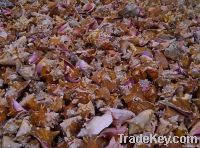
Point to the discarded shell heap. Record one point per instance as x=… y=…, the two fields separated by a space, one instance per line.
x=76 y=73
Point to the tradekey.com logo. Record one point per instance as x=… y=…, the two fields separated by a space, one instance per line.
x=147 y=139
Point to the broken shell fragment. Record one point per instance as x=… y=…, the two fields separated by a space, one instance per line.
x=96 y=125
